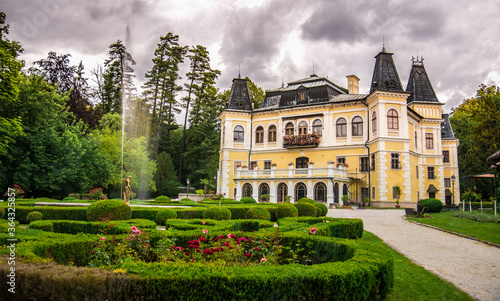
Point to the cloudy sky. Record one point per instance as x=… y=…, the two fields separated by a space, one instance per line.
x=277 y=39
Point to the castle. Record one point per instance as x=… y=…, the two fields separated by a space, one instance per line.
x=316 y=139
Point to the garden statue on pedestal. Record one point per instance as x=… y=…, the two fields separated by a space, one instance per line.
x=128 y=189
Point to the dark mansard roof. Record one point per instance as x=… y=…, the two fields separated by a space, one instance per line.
x=446 y=129
x=239 y=99
x=385 y=75
x=419 y=84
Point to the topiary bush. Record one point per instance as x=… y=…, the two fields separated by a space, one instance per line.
x=248 y=200
x=42 y=225
x=69 y=199
x=321 y=208
x=286 y=210
x=258 y=213
x=217 y=213
x=34 y=216
x=162 y=198
x=163 y=215
x=186 y=200
x=306 y=209
x=307 y=200
x=109 y=209
x=433 y=205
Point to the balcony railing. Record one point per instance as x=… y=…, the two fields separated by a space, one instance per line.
x=307 y=140
x=291 y=172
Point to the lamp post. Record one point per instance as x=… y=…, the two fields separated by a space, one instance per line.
x=187 y=181
x=453 y=179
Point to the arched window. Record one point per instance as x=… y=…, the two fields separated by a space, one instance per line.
x=259 y=135
x=302 y=128
x=392 y=120
x=263 y=189
x=247 y=190
x=300 y=191
x=345 y=191
x=374 y=121
x=336 y=193
x=238 y=133
x=341 y=127
x=318 y=127
x=320 y=192
x=282 y=192
x=272 y=134
x=357 y=126
x=289 y=130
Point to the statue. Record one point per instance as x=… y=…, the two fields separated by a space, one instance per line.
x=128 y=189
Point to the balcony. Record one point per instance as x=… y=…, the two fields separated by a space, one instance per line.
x=298 y=141
x=309 y=172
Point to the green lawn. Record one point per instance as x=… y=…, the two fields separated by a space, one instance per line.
x=444 y=220
x=413 y=282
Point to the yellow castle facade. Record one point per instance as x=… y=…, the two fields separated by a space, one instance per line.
x=316 y=139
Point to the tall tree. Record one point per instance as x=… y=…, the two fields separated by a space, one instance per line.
x=57 y=71
x=117 y=78
x=257 y=94
x=161 y=88
x=200 y=78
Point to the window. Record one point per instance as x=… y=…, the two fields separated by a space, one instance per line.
x=263 y=189
x=363 y=164
x=320 y=192
x=289 y=130
x=282 y=192
x=395 y=161
x=259 y=135
x=373 y=192
x=416 y=140
x=238 y=133
x=446 y=156
x=341 y=160
x=447 y=182
x=341 y=128
x=430 y=173
x=429 y=141
x=253 y=164
x=247 y=190
x=272 y=134
x=236 y=165
x=417 y=170
x=357 y=126
x=302 y=128
x=301 y=162
x=392 y=120
x=300 y=191
x=395 y=195
x=318 y=127
x=374 y=121
x=365 y=193
x=267 y=164
x=432 y=195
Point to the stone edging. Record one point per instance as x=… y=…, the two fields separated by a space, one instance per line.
x=454 y=233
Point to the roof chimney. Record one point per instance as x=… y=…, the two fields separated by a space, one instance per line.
x=353 y=84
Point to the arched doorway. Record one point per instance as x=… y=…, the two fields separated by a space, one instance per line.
x=320 y=192
x=263 y=189
x=336 y=193
x=344 y=190
x=300 y=191
x=247 y=190
x=282 y=192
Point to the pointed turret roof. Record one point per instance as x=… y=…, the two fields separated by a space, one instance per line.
x=385 y=75
x=419 y=84
x=239 y=99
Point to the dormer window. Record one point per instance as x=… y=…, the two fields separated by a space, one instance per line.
x=391 y=84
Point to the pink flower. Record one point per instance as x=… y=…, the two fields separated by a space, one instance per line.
x=231 y=236
x=203 y=222
x=263 y=259
x=256 y=248
x=180 y=248
x=313 y=230
x=103 y=238
x=247 y=254
x=205 y=231
x=203 y=239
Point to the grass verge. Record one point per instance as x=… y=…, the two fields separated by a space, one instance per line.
x=445 y=220
x=413 y=282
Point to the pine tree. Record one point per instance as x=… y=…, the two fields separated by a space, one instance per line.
x=56 y=71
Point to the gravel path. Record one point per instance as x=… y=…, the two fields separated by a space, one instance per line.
x=472 y=266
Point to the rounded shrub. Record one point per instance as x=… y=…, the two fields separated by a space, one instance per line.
x=433 y=205
x=217 y=213
x=286 y=210
x=2 y=212
x=321 y=208
x=306 y=209
x=34 y=216
x=258 y=213
x=162 y=198
x=307 y=200
x=163 y=215
x=109 y=209
x=248 y=200
x=186 y=200
x=69 y=199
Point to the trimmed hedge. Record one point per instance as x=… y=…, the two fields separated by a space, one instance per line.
x=163 y=215
x=162 y=198
x=248 y=200
x=112 y=209
x=307 y=200
x=69 y=199
x=75 y=227
x=321 y=208
x=2 y=212
x=433 y=205
x=286 y=210
x=258 y=213
x=217 y=213
x=34 y=216
x=52 y=213
x=42 y=225
x=306 y=209
x=478 y=217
